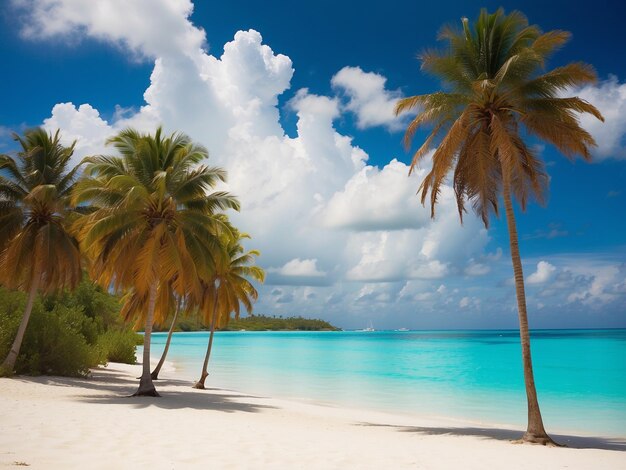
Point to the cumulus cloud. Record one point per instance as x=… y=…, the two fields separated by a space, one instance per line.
x=476 y=269
x=299 y=267
x=165 y=31
x=368 y=98
x=377 y=199
x=337 y=234
x=82 y=124
x=543 y=273
x=610 y=98
x=600 y=285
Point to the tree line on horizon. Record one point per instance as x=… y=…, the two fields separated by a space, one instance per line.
x=259 y=322
x=497 y=96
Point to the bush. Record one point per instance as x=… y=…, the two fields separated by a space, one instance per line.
x=68 y=332
x=11 y=308
x=53 y=344
x=118 y=346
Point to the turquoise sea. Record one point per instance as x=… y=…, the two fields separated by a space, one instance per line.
x=472 y=375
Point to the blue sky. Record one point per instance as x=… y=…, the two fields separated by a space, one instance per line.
x=296 y=108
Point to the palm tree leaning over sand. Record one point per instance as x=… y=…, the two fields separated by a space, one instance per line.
x=155 y=221
x=231 y=287
x=37 y=253
x=177 y=309
x=497 y=92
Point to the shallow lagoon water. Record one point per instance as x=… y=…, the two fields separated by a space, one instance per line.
x=472 y=375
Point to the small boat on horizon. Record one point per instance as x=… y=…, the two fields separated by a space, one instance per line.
x=370 y=327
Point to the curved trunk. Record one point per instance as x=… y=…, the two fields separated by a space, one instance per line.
x=157 y=369
x=146 y=387
x=9 y=362
x=535 y=431
x=205 y=372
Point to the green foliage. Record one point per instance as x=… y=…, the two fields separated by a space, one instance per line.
x=68 y=332
x=261 y=323
x=190 y=324
x=101 y=309
x=54 y=345
x=118 y=346
x=11 y=308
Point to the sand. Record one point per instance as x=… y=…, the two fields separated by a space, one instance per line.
x=54 y=422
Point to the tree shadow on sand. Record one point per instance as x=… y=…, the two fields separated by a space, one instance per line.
x=574 y=442
x=118 y=389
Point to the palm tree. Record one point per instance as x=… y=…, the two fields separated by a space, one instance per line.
x=154 y=222
x=155 y=373
x=227 y=290
x=135 y=308
x=498 y=93
x=37 y=253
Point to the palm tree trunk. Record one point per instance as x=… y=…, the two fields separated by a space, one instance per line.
x=205 y=372
x=9 y=362
x=157 y=369
x=146 y=387
x=535 y=431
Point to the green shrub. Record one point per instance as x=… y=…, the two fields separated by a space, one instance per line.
x=11 y=308
x=53 y=344
x=68 y=332
x=118 y=346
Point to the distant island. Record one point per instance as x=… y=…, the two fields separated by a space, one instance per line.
x=262 y=323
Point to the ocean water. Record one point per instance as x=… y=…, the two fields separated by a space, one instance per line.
x=473 y=375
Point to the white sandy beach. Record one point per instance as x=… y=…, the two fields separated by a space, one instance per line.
x=53 y=422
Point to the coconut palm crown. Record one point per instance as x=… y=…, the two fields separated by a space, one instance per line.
x=498 y=95
x=155 y=221
x=37 y=252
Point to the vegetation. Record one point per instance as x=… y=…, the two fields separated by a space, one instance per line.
x=68 y=333
x=497 y=94
x=260 y=323
x=228 y=289
x=153 y=231
x=37 y=252
x=264 y=323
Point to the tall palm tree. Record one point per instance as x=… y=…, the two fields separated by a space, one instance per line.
x=135 y=308
x=179 y=306
x=154 y=222
x=37 y=253
x=230 y=287
x=497 y=94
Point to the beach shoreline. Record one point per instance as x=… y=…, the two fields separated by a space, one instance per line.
x=58 y=422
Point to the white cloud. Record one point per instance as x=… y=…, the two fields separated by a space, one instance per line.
x=319 y=214
x=469 y=302
x=299 y=267
x=543 y=273
x=369 y=100
x=610 y=98
x=600 y=285
x=370 y=293
x=386 y=256
x=433 y=269
x=377 y=199
x=149 y=28
x=83 y=124
x=476 y=269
